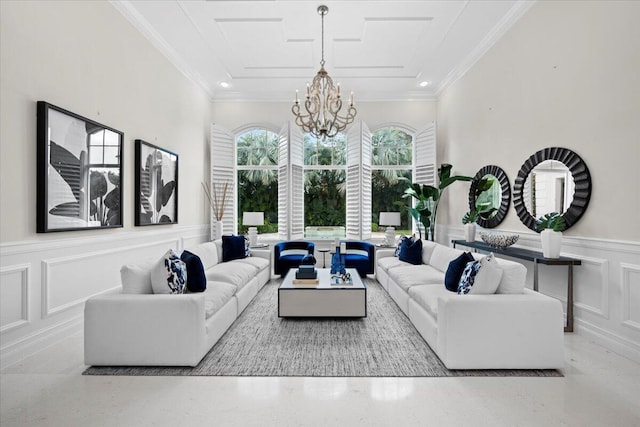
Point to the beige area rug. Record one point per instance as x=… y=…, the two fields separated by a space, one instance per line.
x=259 y=343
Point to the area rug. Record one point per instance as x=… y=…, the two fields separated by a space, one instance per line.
x=259 y=343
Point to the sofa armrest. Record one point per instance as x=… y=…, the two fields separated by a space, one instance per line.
x=500 y=331
x=385 y=253
x=147 y=329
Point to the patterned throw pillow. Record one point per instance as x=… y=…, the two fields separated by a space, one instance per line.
x=481 y=277
x=169 y=276
x=468 y=277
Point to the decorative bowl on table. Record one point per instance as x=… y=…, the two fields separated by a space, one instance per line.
x=501 y=241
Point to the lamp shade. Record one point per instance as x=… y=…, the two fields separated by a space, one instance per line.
x=253 y=218
x=389 y=218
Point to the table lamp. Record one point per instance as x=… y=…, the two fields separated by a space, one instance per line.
x=389 y=219
x=252 y=219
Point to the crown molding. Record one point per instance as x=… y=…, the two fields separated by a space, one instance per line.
x=514 y=14
x=141 y=24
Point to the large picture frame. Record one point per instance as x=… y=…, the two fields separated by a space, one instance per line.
x=156 y=192
x=79 y=172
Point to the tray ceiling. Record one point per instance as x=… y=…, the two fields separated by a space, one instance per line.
x=380 y=50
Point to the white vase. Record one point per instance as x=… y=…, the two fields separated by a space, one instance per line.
x=551 y=243
x=219 y=227
x=470 y=232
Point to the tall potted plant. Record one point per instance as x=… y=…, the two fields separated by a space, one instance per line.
x=550 y=227
x=428 y=197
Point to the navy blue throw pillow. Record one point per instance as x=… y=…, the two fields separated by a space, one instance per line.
x=196 y=280
x=454 y=271
x=411 y=252
x=233 y=248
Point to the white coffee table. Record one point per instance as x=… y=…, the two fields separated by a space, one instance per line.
x=323 y=299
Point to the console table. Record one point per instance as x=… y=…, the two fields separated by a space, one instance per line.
x=537 y=258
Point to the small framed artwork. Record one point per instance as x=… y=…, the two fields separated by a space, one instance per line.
x=79 y=172
x=156 y=185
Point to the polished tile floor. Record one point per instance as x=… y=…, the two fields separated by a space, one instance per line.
x=599 y=388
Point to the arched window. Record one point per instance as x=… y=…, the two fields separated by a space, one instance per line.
x=325 y=186
x=391 y=163
x=257 y=169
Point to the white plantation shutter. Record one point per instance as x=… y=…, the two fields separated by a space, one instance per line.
x=425 y=156
x=424 y=161
x=284 y=184
x=223 y=170
x=290 y=184
x=359 y=182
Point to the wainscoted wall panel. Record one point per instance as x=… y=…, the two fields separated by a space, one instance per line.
x=606 y=286
x=68 y=281
x=14 y=297
x=591 y=285
x=630 y=280
x=45 y=283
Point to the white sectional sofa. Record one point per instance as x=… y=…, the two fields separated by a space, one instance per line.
x=172 y=330
x=515 y=328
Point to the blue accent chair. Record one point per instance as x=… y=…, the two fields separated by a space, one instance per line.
x=289 y=254
x=361 y=256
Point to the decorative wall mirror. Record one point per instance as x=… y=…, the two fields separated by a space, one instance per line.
x=497 y=196
x=552 y=180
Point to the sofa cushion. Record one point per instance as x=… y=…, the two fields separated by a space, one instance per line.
x=442 y=256
x=236 y=273
x=169 y=274
x=454 y=271
x=480 y=277
x=136 y=278
x=427 y=297
x=233 y=247
x=390 y=262
x=196 y=280
x=415 y=275
x=411 y=252
x=208 y=253
x=513 y=279
x=427 y=250
x=217 y=295
x=258 y=263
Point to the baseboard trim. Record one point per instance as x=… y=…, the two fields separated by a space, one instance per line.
x=615 y=343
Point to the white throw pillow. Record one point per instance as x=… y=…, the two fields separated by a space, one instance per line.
x=136 y=278
x=480 y=277
x=169 y=274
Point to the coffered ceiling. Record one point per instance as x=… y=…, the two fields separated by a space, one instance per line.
x=380 y=50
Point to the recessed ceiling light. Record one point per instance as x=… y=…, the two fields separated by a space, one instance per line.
x=424 y=84
x=224 y=85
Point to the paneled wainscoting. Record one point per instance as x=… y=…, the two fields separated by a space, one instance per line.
x=606 y=286
x=44 y=283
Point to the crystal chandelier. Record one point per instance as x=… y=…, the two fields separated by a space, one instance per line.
x=321 y=116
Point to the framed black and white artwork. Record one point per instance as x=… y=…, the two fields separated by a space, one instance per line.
x=79 y=172
x=156 y=185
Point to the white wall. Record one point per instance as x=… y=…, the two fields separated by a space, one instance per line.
x=87 y=58
x=566 y=74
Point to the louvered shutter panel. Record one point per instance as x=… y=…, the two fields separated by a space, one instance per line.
x=297 y=183
x=358 y=182
x=425 y=156
x=290 y=184
x=424 y=161
x=284 y=184
x=223 y=170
